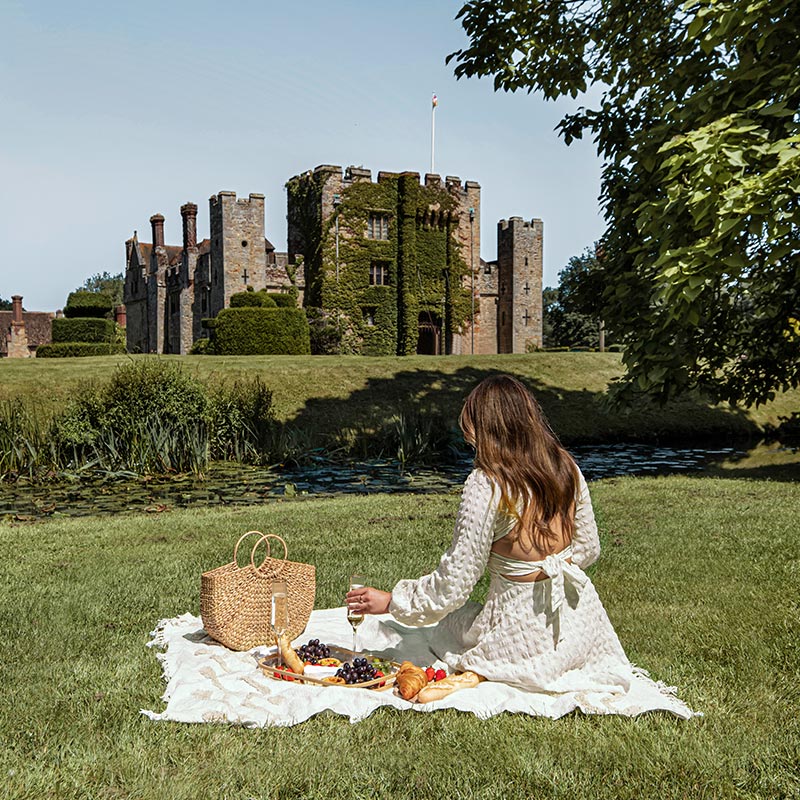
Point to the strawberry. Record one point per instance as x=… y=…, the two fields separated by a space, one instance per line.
x=430 y=673
x=439 y=674
x=379 y=674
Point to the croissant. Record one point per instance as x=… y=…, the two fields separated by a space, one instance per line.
x=410 y=679
x=289 y=656
x=448 y=685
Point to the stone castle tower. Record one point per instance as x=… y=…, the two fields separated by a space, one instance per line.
x=397 y=260
x=519 y=272
x=171 y=289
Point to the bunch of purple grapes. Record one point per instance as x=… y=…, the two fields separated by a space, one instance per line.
x=357 y=672
x=313 y=651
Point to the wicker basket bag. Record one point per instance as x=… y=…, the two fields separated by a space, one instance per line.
x=235 y=602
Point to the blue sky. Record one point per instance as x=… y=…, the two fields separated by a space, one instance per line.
x=114 y=111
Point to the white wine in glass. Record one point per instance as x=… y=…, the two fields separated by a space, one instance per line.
x=355 y=618
x=279 y=616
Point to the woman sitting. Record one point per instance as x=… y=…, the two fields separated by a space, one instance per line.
x=526 y=515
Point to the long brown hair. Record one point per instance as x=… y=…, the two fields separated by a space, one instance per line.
x=516 y=448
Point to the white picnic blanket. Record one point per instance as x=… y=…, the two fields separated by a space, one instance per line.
x=206 y=682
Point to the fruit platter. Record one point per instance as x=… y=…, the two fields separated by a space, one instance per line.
x=328 y=665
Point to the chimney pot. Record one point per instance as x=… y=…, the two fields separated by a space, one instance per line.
x=157 y=223
x=16 y=309
x=189 y=214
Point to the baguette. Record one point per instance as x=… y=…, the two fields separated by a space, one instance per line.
x=289 y=656
x=448 y=685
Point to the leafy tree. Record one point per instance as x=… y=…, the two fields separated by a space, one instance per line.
x=572 y=312
x=699 y=130
x=5 y=305
x=105 y=283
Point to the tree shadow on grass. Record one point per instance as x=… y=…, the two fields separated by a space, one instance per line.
x=770 y=461
x=577 y=416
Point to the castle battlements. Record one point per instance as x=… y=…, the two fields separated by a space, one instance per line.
x=219 y=197
x=353 y=174
x=518 y=222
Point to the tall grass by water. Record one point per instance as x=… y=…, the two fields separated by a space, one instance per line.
x=153 y=417
x=698 y=576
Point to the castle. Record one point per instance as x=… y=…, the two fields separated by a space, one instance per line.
x=395 y=263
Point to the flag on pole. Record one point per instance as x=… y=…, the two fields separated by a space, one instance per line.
x=434 y=101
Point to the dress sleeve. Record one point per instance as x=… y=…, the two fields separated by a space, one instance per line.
x=585 y=541
x=428 y=599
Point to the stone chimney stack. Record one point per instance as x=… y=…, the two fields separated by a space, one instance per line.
x=189 y=214
x=16 y=309
x=157 y=222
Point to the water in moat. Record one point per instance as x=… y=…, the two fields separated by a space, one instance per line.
x=228 y=484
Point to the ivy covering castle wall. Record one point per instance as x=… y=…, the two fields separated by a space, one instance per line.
x=420 y=263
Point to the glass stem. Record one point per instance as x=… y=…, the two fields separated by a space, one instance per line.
x=355 y=634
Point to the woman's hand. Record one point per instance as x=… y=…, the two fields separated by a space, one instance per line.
x=367 y=600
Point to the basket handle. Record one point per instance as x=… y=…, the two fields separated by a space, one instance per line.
x=241 y=539
x=265 y=538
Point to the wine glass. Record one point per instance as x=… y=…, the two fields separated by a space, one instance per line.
x=355 y=618
x=279 y=616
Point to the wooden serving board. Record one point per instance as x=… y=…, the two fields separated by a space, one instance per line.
x=268 y=666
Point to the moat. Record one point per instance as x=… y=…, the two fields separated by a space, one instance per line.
x=229 y=484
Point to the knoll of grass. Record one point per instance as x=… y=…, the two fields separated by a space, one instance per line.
x=699 y=576
x=325 y=396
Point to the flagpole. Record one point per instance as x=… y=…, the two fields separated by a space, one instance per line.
x=434 y=102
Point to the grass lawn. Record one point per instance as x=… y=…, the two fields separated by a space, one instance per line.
x=699 y=576
x=325 y=395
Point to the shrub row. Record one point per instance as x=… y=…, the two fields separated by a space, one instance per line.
x=260 y=331
x=84 y=329
x=79 y=349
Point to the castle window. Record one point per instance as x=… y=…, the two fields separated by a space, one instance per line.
x=173 y=304
x=204 y=302
x=378 y=226
x=369 y=315
x=526 y=261
x=244 y=244
x=378 y=273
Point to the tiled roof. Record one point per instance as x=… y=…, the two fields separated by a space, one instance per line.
x=37 y=327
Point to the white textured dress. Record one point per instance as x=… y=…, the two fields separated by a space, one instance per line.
x=550 y=636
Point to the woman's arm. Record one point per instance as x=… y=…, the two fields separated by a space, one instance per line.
x=585 y=541
x=428 y=599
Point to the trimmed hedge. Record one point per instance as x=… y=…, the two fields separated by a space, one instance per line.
x=283 y=300
x=200 y=347
x=252 y=300
x=88 y=304
x=78 y=349
x=261 y=331
x=84 y=329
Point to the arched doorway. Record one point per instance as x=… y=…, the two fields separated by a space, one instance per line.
x=429 y=340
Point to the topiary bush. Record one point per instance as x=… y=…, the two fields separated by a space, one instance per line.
x=84 y=329
x=88 y=304
x=283 y=300
x=79 y=349
x=261 y=331
x=200 y=347
x=252 y=300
